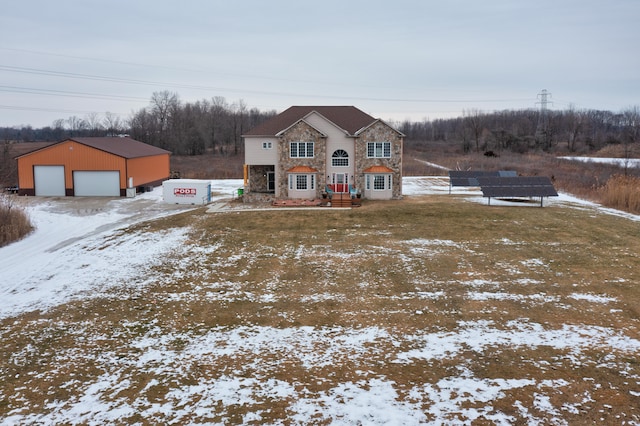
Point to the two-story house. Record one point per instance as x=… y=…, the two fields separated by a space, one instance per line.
x=306 y=151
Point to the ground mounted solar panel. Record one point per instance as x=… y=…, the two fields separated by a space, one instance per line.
x=470 y=177
x=517 y=187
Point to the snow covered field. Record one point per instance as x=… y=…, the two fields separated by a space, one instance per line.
x=80 y=251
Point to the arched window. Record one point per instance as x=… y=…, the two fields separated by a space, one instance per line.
x=340 y=158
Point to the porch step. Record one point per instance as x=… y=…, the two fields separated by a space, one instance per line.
x=341 y=200
x=341 y=203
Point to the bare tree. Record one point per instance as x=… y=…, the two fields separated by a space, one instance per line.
x=94 y=123
x=463 y=132
x=112 y=123
x=218 y=112
x=239 y=113
x=143 y=127
x=75 y=124
x=574 y=122
x=163 y=105
x=474 y=121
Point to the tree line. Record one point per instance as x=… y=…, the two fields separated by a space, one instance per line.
x=530 y=130
x=195 y=128
x=184 y=128
x=216 y=126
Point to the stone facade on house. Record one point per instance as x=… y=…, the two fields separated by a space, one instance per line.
x=301 y=132
x=379 y=132
x=342 y=159
x=259 y=178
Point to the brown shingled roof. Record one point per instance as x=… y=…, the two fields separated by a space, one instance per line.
x=348 y=118
x=122 y=147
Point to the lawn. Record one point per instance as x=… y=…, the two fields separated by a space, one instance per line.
x=433 y=309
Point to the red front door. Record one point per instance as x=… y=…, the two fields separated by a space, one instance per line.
x=340 y=183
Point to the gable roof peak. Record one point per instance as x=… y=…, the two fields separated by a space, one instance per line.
x=346 y=117
x=302 y=120
x=378 y=120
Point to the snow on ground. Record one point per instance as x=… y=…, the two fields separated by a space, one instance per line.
x=43 y=269
x=79 y=255
x=621 y=162
x=413 y=185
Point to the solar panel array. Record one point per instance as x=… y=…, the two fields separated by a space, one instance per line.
x=470 y=177
x=503 y=184
x=519 y=186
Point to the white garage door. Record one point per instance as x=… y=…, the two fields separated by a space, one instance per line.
x=49 y=180
x=96 y=183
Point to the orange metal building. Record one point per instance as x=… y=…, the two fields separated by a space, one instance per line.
x=92 y=167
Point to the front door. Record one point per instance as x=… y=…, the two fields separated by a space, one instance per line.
x=340 y=182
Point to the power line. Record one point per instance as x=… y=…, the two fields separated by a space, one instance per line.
x=173 y=68
x=69 y=111
x=70 y=75
x=83 y=95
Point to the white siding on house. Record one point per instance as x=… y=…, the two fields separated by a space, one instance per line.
x=378 y=186
x=257 y=151
x=302 y=185
x=336 y=139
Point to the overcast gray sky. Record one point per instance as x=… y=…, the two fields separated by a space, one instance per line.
x=395 y=59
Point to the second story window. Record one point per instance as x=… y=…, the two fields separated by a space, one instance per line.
x=267 y=145
x=301 y=149
x=379 y=149
x=340 y=158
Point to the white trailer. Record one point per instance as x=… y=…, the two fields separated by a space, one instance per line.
x=186 y=191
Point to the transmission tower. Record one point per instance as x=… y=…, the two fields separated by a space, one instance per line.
x=543 y=136
x=544 y=100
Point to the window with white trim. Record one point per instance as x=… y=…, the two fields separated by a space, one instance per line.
x=379 y=149
x=301 y=149
x=378 y=182
x=302 y=182
x=267 y=145
x=340 y=158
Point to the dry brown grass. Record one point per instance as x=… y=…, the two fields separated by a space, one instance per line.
x=407 y=267
x=590 y=181
x=622 y=192
x=14 y=221
x=208 y=166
